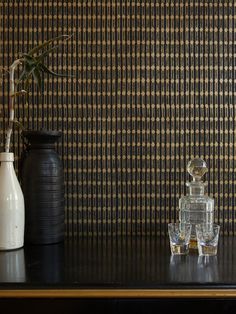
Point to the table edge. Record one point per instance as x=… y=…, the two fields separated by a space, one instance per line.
x=118 y=293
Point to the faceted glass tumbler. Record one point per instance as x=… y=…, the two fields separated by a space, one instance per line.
x=207 y=239
x=179 y=234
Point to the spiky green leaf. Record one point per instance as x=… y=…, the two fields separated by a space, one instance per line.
x=37 y=78
x=19 y=124
x=46 y=53
x=34 y=65
x=26 y=84
x=26 y=73
x=46 y=43
x=22 y=76
x=29 y=59
x=44 y=69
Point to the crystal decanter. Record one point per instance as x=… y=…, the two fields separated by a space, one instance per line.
x=196 y=207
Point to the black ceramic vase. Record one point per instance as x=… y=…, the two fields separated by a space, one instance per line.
x=41 y=176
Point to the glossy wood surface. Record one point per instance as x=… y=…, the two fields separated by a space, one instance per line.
x=117 y=267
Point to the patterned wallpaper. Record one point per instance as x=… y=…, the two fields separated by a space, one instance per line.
x=153 y=87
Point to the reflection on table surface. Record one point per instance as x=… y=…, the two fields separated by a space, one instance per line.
x=124 y=262
x=191 y=269
x=12 y=266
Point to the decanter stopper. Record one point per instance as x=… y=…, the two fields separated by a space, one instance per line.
x=197 y=168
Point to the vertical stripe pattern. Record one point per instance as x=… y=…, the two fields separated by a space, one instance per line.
x=152 y=87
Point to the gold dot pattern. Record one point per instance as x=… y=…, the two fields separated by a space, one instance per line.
x=152 y=87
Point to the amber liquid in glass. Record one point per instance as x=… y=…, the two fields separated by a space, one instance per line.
x=193 y=244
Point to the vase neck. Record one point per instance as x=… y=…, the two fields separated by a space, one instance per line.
x=7 y=164
x=7 y=169
x=41 y=139
x=6 y=157
x=40 y=146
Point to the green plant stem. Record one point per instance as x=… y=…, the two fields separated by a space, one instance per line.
x=14 y=65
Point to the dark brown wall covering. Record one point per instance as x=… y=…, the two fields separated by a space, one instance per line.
x=153 y=88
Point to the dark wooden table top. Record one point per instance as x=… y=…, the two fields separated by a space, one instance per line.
x=117 y=267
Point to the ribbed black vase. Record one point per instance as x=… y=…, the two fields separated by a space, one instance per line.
x=41 y=176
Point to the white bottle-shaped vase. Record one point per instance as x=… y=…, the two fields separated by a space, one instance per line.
x=12 y=209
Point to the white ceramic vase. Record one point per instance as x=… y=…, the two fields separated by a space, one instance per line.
x=12 y=209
